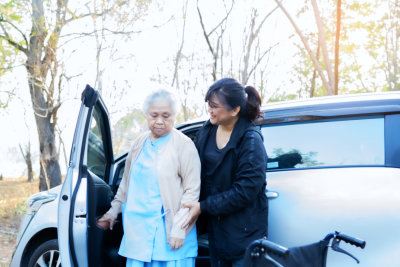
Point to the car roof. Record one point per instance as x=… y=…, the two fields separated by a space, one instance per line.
x=324 y=107
x=332 y=107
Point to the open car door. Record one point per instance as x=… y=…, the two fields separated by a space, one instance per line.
x=85 y=194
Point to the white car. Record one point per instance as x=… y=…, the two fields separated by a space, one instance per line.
x=333 y=164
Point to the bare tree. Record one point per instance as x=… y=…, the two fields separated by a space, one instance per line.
x=251 y=37
x=215 y=46
x=312 y=89
x=28 y=160
x=185 y=87
x=179 y=52
x=392 y=45
x=327 y=79
x=324 y=47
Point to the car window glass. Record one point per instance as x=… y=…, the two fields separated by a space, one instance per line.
x=344 y=142
x=119 y=174
x=96 y=159
x=126 y=129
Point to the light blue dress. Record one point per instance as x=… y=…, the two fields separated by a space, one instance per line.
x=145 y=239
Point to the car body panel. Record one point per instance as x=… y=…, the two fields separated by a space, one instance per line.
x=40 y=221
x=314 y=202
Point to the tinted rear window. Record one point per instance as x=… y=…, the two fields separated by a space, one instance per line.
x=346 y=142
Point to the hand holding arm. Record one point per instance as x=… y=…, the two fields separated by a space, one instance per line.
x=194 y=212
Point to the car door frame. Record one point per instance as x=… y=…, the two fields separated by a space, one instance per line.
x=76 y=222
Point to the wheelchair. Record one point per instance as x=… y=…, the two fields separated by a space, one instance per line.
x=264 y=253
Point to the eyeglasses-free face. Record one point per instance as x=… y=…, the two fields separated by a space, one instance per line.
x=219 y=113
x=160 y=118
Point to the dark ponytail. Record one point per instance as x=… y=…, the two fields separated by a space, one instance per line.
x=232 y=94
x=253 y=103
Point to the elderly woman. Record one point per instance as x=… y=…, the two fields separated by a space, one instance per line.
x=162 y=173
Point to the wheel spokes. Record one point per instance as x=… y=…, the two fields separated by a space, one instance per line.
x=41 y=262
x=58 y=261
x=49 y=259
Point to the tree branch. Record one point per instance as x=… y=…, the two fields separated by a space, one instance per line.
x=223 y=20
x=14 y=44
x=23 y=154
x=337 y=38
x=206 y=36
x=80 y=34
x=7 y=37
x=19 y=47
x=264 y=19
x=52 y=43
x=75 y=17
x=307 y=47
x=322 y=39
x=258 y=62
x=179 y=53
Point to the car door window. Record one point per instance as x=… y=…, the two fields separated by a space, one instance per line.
x=96 y=156
x=340 y=142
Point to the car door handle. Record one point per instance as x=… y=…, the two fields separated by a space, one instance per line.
x=271 y=194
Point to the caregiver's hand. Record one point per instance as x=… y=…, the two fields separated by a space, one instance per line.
x=106 y=222
x=194 y=212
x=176 y=243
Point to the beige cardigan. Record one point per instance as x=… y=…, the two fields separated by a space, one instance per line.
x=178 y=170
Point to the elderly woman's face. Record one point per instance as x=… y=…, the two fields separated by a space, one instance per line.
x=160 y=118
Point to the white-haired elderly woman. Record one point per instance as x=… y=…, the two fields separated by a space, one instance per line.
x=162 y=173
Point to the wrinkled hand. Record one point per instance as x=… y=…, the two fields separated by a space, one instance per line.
x=194 y=212
x=106 y=222
x=176 y=243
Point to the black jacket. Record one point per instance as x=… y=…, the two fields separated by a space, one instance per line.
x=235 y=203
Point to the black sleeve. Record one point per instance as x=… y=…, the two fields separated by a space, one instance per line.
x=249 y=180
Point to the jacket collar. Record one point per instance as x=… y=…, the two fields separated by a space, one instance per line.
x=238 y=131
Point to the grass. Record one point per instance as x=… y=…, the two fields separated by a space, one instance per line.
x=13 y=195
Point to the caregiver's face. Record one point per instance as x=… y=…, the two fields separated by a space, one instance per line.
x=160 y=118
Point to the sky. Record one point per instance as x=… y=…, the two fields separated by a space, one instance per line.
x=137 y=66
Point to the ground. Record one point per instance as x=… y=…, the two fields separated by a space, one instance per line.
x=13 y=195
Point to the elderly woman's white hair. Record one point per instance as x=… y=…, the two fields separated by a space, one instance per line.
x=161 y=95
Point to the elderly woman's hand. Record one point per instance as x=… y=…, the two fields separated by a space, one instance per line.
x=176 y=243
x=194 y=212
x=106 y=222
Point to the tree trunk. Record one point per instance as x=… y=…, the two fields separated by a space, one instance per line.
x=322 y=39
x=325 y=82
x=42 y=102
x=28 y=160
x=338 y=24
x=29 y=165
x=312 y=89
x=42 y=179
x=396 y=38
x=50 y=173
